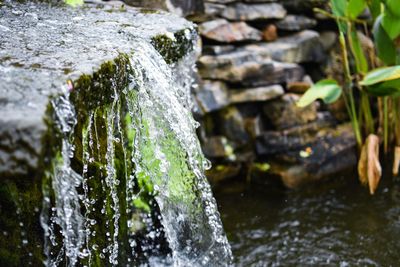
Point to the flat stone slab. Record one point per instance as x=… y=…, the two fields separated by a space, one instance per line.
x=42 y=47
x=257 y=94
x=250 y=12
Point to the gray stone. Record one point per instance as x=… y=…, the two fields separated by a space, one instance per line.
x=217 y=147
x=33 y=73
x=249 y=12
x=212 y=96
x=179 y=7
x=217 y=49
x=296 y=23
x=328 y=39
x=280 y=142
x=248 y=68
x=223 y=31
x=301 y=47
x=221 y=1
x=231 y=124
x=213 y=9
x=331 y=153
x=255 y=94
x=283 y=112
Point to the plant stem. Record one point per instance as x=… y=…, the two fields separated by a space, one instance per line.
x=385 y=124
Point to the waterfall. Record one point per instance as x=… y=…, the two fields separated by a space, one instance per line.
x=127 y=187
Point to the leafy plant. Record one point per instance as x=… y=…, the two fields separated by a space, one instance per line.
x=372 y=76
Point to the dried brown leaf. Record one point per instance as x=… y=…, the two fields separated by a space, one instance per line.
x=396 y=162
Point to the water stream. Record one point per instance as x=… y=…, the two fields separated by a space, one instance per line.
x=127 y=187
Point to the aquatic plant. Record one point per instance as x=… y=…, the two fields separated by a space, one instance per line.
x=371 y=74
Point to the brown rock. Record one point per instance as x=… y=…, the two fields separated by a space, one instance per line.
x=217 y=147
x=223 y=31
x=269 y=33
x=283 y=113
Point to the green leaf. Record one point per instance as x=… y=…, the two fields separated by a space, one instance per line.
x=328 y=90
x=339 y=8
x=381 y=75
x=394 y=7
x=384 y=45
x=355 y=7
x=390 y=88
x=358 y=53
x=375 y=8
x=74 y=3
x=391 y=24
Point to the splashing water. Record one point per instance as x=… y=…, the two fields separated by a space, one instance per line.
x=127 y=187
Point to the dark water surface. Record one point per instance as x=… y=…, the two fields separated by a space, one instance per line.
x=335 y=223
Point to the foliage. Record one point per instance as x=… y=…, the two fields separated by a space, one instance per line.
x=74 y=3
x=371 y=78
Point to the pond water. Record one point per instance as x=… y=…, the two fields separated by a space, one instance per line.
x=336 y=223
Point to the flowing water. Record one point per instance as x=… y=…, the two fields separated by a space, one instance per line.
x=335 y=223
x=127 y=186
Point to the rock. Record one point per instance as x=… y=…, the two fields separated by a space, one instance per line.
x=212 y=96
x=333 y=152
x=223 y=31
x=299 y=87
x=255 y=94
x=217 y=147
x=179 y=7
x=217 y=49
x=328 y=39
x=301 y=47
x=296 y=23
x=213 y=9
x=283 y=112
x=254 y=126
x=222 y=172
x=221 y=1
x=248 y=68
x=249 y=12
x=302 y=6
x=231 y=124
x=269 y=33
x=271 y=143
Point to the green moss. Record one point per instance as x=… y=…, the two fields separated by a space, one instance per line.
x=174 y=47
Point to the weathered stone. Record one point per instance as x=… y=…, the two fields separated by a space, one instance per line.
x=179 y=7
x=328 y=39
x=217 y=49
x=231 y=124
x=301 y=47
x=222 y=172
x=283 y=112
x=255 y=94
x=299 y=87
x=333 y=152
x=217 y=147
x=270 y=33
x=248 y=69
x=213 y=9
x=223 y=31
x=221 y=1
x=248 y=12
x=297 y=6
x=212 y=96
x=296 y=23
x=280 y=142
x=254 y=126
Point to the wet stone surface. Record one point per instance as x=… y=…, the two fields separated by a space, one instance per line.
x=43 y=47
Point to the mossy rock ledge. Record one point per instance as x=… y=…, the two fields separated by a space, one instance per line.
x=45 y=51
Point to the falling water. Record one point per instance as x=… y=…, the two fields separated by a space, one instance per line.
x=128 y=186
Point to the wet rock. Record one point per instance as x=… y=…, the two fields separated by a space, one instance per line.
x=296 y=23
x=269 y=33
x=333 y=152
x=217 y=49
x=179 y=7
x=283 y=112
x=248 y=12
x=222 y=172
x=231 y=124
x=280 y=142
x=301 y=47
x=223 y=31
x=248 y=69
x=255 y=94
x=212 y=96
x=328 y=39
x=299 y=87
x=217 y=147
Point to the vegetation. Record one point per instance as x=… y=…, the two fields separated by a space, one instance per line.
x=371 y=86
